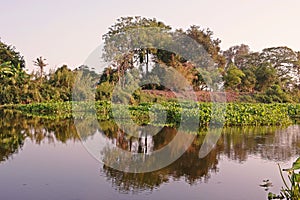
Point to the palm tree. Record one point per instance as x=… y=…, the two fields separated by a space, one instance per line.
x=40 y=62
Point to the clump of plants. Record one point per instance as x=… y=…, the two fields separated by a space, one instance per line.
x=290 y=190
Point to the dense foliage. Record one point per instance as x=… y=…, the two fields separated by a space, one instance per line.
x=9 y=53
x=236 y=114
x=272 y=75
x=269 y=76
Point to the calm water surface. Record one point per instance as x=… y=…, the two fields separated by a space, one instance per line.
x=45 y=159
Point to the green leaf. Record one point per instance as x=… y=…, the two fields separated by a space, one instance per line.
x=296 y=164
x=297 y=178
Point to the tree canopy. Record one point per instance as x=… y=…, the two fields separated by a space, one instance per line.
x=145 y=53
x=8 y=53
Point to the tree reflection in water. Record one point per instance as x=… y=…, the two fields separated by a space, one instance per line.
x=16 y=128
x=236 y=143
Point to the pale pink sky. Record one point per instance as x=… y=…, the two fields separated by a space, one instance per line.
x=67 y=31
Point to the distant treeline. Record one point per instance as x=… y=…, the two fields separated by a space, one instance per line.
x=271 y=75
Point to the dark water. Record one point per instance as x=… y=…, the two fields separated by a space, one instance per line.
x=45 y=159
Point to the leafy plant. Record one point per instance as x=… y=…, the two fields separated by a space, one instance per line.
x=292 y=191
x=236 y=114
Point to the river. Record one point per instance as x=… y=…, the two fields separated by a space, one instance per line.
x=46 y=159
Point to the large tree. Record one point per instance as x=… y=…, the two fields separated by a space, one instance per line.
x=131 y=40
x=265 y=77
x=14 y=83
x=62 y=82
x=211 y=45
x=136 y=41
x=233 y=77
x=8 y=53
x=237 y=55
x=283 y=60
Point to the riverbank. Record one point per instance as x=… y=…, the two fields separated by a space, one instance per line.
x=170 y=113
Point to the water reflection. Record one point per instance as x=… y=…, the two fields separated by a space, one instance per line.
x=188 y=166
x=270 y=143
x=16 y=128
x=236 y=143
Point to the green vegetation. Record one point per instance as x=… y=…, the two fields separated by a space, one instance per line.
x=236 y=114
x=266 y=83
x=15 y=129
x=291 y=191
x=51 y=110
x=270 y=77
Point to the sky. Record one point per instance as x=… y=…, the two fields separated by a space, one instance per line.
x=67 y=31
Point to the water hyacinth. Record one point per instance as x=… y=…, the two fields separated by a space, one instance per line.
x=236 y=114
